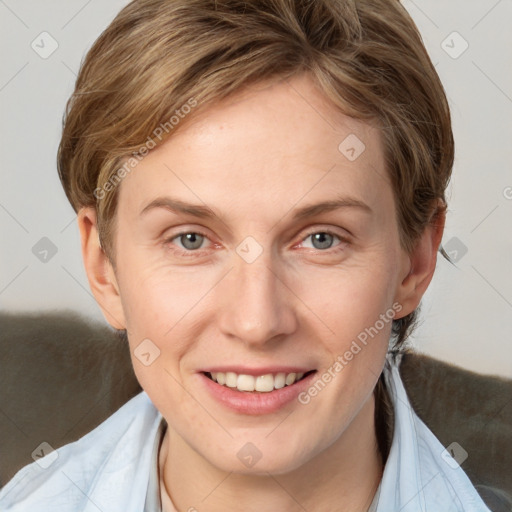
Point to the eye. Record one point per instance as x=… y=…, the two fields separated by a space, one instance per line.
x=190 y=241
x=322 y=240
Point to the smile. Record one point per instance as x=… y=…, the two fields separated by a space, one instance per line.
x=261 y=383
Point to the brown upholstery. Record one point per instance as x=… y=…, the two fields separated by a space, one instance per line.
x=471 y=409
x=61 y=376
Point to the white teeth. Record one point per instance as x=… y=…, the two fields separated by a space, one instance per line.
x=290 y=378
x=245 y=383
x=262 y=383
x=231 y=379
x=280 y=380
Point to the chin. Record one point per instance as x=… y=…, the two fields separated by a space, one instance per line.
x=249 y=460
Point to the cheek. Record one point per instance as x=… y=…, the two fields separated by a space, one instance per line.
x=358 y=307
x=155 y=296
x=159 y=305
x=168 y=307
x=355 y=311
x=349 y=300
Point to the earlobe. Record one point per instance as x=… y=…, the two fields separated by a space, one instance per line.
x=99 y=270
x=421 y=264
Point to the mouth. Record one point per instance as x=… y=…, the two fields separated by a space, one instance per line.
x=265 y=383
x=263 y=392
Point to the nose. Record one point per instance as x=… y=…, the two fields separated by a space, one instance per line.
x=256 y=307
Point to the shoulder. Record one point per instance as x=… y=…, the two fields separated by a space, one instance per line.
x=420 y=473
x=469 y=409
x=107 y=468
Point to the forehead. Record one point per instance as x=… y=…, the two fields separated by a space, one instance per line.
x=280 y=143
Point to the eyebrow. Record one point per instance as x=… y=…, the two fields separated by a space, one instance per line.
x=203 y=211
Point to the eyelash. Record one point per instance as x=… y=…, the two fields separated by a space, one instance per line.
x=188 y=253
x=343 y=240
x=185 y=252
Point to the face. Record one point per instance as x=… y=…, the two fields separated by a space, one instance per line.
x=251 y=244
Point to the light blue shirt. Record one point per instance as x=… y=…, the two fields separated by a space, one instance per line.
x=109 y=469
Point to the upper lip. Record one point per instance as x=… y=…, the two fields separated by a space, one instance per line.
x=255 y=372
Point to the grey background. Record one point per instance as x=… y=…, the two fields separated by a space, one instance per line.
x=467 y=312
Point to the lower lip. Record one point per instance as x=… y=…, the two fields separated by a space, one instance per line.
x=255 y=403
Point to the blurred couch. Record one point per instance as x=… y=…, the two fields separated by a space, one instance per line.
x=62 y=375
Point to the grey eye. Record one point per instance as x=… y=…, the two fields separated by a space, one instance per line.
x=322 y=240
x=191 y=241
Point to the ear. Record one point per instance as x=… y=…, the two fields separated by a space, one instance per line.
x=99 y=269
x=421 y=264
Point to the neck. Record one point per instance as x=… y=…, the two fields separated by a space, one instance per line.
x=344 y=477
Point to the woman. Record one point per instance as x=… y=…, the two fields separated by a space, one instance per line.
x=260 y=196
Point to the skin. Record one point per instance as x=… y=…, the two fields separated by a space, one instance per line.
x=255 y=159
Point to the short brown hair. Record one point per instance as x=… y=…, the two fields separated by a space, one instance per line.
x=366 y=56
